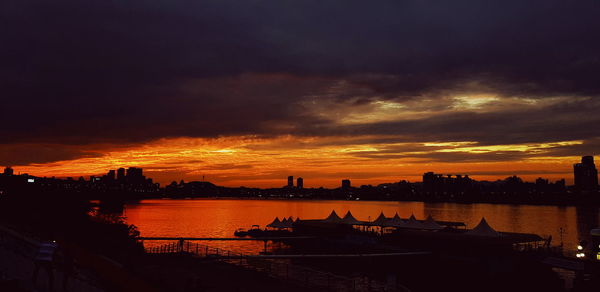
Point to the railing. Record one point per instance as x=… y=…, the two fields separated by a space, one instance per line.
x=276 y=268
x=17 y=243
x=26 y=247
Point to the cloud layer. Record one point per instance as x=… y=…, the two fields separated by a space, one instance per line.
x=124 y=73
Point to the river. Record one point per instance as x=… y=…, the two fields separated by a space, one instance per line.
x=221 y=217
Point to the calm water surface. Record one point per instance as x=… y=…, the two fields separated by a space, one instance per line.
x=220 y=218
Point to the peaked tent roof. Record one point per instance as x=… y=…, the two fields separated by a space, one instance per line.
x=290 y=221
x=381 y=220
x=483 y=229
x=349 y=219
x=297 y=219
x=285 y=222
x=333 y=218
x=412 y=222
x=429 y=223
x=397 y=221
x=275 y=224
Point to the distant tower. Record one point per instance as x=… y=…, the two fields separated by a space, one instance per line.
x=9 y=171
x=345 y=184
x=300 y=183
x=290 y=181
x=586 y=174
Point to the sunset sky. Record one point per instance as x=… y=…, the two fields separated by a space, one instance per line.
x=249 y=92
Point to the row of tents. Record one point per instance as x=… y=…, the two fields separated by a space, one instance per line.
x=482 y=229
x=382 y=221
x=285 y=223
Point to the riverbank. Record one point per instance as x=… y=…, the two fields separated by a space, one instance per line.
x=594 y=203
x=94 y=273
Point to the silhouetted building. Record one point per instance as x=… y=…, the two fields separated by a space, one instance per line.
x=110 y=176
x=98 y=187
x=300 y=183
x=191 y=189
x=541 y=182
x=433 y=182
x=346 y=184
x=561 y=184
x=121 y=174
x=586 y=174
x=135 y=175
x=8 y=171
x=290 y=183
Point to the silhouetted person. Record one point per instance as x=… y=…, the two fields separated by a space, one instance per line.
x=44 y=258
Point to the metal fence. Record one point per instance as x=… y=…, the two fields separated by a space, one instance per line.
x=276 y=268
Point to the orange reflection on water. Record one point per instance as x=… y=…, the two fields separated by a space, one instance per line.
x=220 y=218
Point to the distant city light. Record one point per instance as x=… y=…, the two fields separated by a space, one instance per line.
x=579 y=247
x=30 y=180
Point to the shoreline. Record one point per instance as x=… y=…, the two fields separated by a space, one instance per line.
x=342 y=200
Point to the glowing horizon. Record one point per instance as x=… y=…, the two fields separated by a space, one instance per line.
x=266 y=162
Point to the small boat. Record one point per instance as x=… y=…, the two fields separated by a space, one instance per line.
x=255 y=231
x=241 y=232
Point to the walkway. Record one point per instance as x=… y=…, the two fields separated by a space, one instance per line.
x=16 y=266
x=280 y=267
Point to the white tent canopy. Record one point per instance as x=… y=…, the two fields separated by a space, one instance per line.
x=430 y=224
x=413 y=223
x=333 y=218
x=381 y=220
x=483 y=229
x=285 y=223
x=397 y=221
x=275 y=224
x=349 y=219
x=290 y=221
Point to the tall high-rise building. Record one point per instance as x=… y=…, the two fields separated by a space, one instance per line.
x=300 y=183
x=135 y=175
x=110 y=176
x=290 y=183
x=586 y=174
x=8 y=171
x=345 y=184
x=121 y=174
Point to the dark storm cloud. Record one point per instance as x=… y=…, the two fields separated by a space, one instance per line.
x=23 y=154
x=564 y=121
x=81 y=72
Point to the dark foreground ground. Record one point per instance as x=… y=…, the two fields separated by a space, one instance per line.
x=151 y=273
x=183 y=273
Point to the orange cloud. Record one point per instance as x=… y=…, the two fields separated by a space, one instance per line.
x=266 y=162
